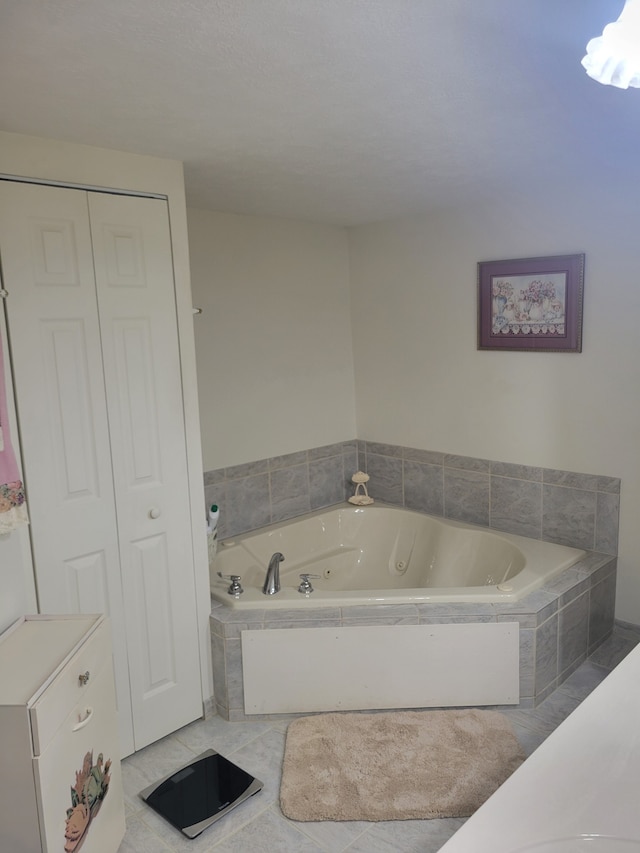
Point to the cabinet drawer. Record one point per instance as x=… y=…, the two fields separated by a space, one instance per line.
x=68 y=688
x=88 y=737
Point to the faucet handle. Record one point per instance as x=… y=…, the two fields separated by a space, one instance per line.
x=305 y=584
x=235 y=588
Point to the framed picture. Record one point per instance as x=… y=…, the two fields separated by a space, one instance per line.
x=531 y=304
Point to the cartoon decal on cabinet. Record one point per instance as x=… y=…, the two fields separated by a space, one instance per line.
x=92 y=784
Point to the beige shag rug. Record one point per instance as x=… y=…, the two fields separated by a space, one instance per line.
x=395 y=766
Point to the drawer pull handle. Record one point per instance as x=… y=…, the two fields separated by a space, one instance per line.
x=84 y=677
x=83 y=722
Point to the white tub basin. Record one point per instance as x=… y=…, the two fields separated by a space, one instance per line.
x=380 y=554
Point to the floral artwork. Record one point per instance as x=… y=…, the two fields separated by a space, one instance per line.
x=92 y=784
x=531 y=304
x=525 y=306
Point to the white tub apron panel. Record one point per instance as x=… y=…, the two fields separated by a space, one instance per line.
x=392 y=666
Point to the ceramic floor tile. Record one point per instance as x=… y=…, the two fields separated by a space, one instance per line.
x=268 y=834
x=528 y=739
x=258 y=746
x=547 y=716
x=525 y=720
x=585 y=679
x=221 y=735
x=369 y=843
x=140 y=839
x=408 y=836
x=219 y=831
x=555 y=709
x=616 y=647
x=263 y=759
x=331 y=835
x=150 y=764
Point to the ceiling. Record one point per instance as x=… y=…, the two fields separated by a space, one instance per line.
x=338 y=111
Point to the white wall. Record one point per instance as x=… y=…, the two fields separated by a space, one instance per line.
x=421 y=382
x=273 y=344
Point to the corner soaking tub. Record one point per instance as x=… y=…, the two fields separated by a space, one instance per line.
x=384 y=555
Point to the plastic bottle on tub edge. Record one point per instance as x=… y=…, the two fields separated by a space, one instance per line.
x=212 y=531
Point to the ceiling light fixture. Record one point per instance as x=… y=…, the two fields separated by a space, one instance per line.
x=614 y=57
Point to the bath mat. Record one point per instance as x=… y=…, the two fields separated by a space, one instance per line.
x=395 y=766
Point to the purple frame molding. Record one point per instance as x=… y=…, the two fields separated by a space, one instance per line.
x=568 y=337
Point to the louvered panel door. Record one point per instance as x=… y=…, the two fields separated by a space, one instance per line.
x=136 y=300
x=47 y=262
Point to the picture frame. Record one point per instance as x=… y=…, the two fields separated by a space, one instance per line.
x=531 y=304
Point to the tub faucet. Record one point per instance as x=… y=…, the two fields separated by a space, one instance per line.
x=272 y=580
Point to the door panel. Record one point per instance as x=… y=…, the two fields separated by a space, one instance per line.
x=68 y=386
x=136 y=382
x=87 y=584
x=155 y=623
x=55 y=256
x=136 y=303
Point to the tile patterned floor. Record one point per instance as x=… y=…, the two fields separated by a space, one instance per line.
x=258 y=825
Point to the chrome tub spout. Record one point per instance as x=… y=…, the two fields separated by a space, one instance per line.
x=272 y=579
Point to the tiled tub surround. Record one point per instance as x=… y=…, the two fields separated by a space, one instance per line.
x=560 y=625
x=580 y=510
x=258 y=493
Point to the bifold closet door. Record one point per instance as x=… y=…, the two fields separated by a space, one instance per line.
x=94 y=345
x=136 y=306
x=47 y=267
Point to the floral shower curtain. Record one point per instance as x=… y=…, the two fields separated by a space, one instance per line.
x=13 y=509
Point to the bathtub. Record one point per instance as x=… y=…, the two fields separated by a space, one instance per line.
x=384 y=555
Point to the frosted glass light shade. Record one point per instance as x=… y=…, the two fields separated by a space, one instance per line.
x=614 y=57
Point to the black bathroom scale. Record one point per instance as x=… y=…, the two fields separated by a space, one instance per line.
x=201 y=792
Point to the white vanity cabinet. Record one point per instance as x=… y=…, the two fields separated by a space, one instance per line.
x=60 y=778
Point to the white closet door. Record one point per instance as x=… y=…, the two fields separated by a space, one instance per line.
x=136 y=302
x=45 y=247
